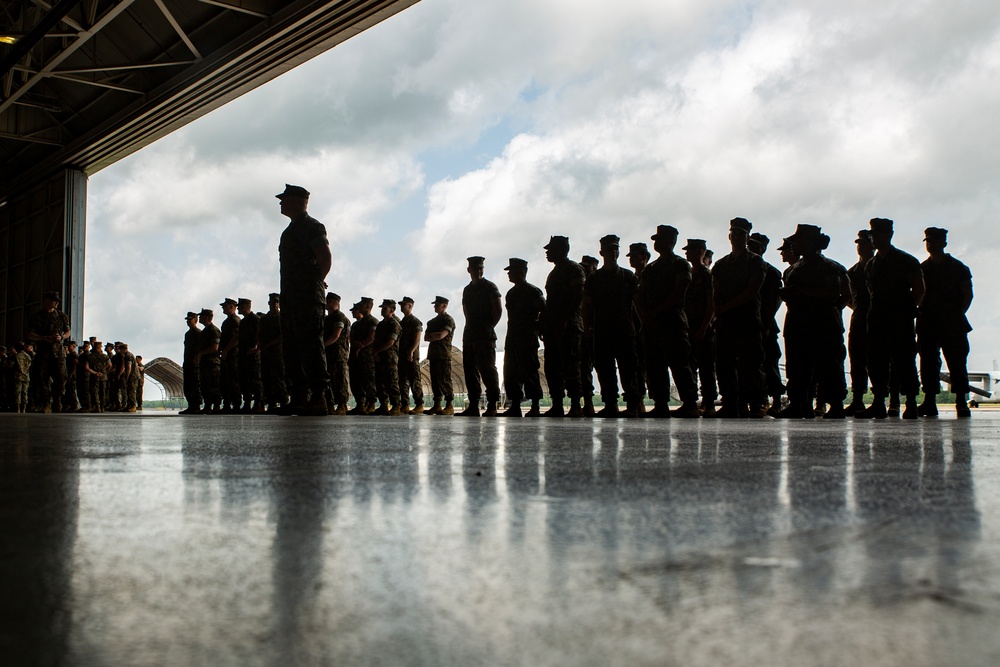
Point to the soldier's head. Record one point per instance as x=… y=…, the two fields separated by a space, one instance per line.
x=29 y=347
x=228 y=306
x=694 y=251
x=757 y=244
x=881 y=229
x=71 y=345
x=192 y=319
x=739 y=233
x=206 y=316
x=121 y=347
x=50 y=300
x=367 y=303
x=294 y=201
x=664 y=239
x=787 y=250
x=387 y=308
x=476 y=268
x=935 y=240
x=440 y=304
x=638 y=256
x=138 y=358
x=357 y=310
x=406 y=305
x=709 y=256
x=589 y=264
x=864 y=243
x=274 y=302
x=244 y=306
x=806 y=240
x=85 y=346
x=610 y=249
x=109 y=348
x=557 y=249
x=332 y=302
x=517 y=270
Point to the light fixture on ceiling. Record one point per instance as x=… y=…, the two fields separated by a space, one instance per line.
x=8 y=39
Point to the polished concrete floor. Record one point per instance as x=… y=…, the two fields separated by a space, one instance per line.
x=165 y=540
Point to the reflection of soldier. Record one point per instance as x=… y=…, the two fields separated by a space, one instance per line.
x=481 y=305
x=249 y=359
x=520 y=358
x=660 y=303
x=562 y=327
x=589 y=265
x=409 y=359
x=897 y=288
x=192 y=385
x=699 y=307
x=47 y=329
x=272 y=364
x=942 y=326
x=638 y=258
x=857 y=336
x=769 y=302
x=385 y=347
x=736 y=281
x=439 y=333
x=607 y=317
x=336 y=339
x=229 y=352
x=209 y=363
x=362 y=361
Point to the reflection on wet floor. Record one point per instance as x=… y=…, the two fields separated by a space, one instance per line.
x=312 y=541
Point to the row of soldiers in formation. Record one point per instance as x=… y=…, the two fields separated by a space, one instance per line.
x=50 y=373
x=673 y=315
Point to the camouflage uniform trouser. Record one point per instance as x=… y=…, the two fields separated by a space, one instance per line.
x=480 y=363
x=362 y=378
x=340 y=385
x=229 y=379
x=387 y=379
x=192 y=386
x=953 y=343
x=209 y=372
x=892 y=353
x=69 y=397
x=738 y=358
x=562 y=363
x=83 y=388
x=131 y=389
x=21 y=393
x=46 y=366
x=587 y=360
x=303 y=349
x=668 y=350
x=857 y=352
x=441 y=379
x=409 y=380
x=98 y=389
x=272 y=371
x=614 y=355
x=703 y=365
x=520 y=371
x=251 y=385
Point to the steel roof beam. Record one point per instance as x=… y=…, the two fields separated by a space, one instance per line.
x=67 y=20
x=24 y=45
x=177 y=28
x=235 y=8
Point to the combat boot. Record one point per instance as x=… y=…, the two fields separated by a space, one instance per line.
x=448 y=409
x=574 y=409
x=874 y=411
x=911 y=411
x=358 y=409
x=689 y=410
x=316 y=407
x=555 y=411
x=382 y=410
x=369 y=408
x=588 y=406
x=395 y=411
x=341 y=410
x=513 y=411
x=857 y=405
x=962 y=410
x=435 y=408
x=836 y=411
x=491 y=409
x=658 y=412
x=416 y=410
x=610 y=410
x=533 y=411
x=471 y=411
x=929 y=407
x=404 y=409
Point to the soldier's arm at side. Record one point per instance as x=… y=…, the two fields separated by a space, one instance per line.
x=917 y=287
x=966 y=292
x=749 y=292
x=416 y=345
x=335 y=336
x=324 y=258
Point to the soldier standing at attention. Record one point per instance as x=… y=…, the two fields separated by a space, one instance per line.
x=707 y=260
x=439 y=333
x=699 y=307
x=229 y=352
x=562 y=327
x=736 y=281
x=209 y=364
x=525 y=303
x=589 y=265
x=481 y=305
x=72 y=361
x=409 y=359
x=638 y=258
x=271 y=357
x=607 y=322
x=660 y=303
x=386 y=350
x=192 y=384
x=22 y=377
x=248 y=363
x=141 y=369
x=337 y=340
x=896 y=286
x=942 y=326
x=83 y=379
x=129 y=378
x=857 y=336
x=47 y=329
x=363 y=369
x=770 y=299
x=305 y=260
x=96 y=368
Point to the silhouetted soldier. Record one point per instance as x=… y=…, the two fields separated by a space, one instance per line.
x=638 y=258
x=97 y=368
x=660 y=303
x=409 y=359
x=897 y=288
x=482 y=308
x=942 y=326
x=229 y=354
x=608 y=321
x=272 y=362
x=562 y=327
x=770 y=299
x=116 y=399
x=209 y=364
x=248 y=359
x=525 y=303
x=589 y=265
x=439 y=333
x=709 y=256
x=699 y=307
x=129 y=378
x=362 y=362
x=47 y=329
x=337 y=341
x=192 y=385
x=69 y=403
x=305 y=260
x=385 y=347
x=857 y=335
x=83 y=379
x=736 y=281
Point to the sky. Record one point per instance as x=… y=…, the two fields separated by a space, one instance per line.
x=462 y=128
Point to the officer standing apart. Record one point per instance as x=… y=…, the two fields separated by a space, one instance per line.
x=48 y=328
x=481 y=305
x=305 y=260
x=525 y=303
x=409 y=359
x=562 y=328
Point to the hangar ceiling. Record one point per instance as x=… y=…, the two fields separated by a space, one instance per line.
x=84 y=83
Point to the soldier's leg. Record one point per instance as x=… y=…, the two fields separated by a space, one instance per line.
x=447 y=386
x=295 y=377
x=628 y=368
x=553 y=369
x=604 y=364
x=929 y=349
x=471 y=372
x=513 y=380
x=904 y=359
x=392 y=385
x=368 y=381
x=571 y=364
x=751 y=358
x=727 y=341
x=832 y=378
x=657 y=372
x=955 y=347
x=416 y=383
x=678 y=352
x=488 y=369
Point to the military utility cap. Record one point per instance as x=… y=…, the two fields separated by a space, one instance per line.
x=935 y=234
x=274 y=296
x=118 y=343
x=786 y=243
x=476 y=262
x=52 y=295
x=189 y=316
x=880 y=225
x=637 y=249
x=864 y=236
x=388 y=303
x=587 y=260
x=406 y=299
x=207 y=311
x=357 y=307
x=709 y=252
x=741 y=224
x=332 y=295
x=229 y=302
x=557 y=242
x=811 y=232
x=696 y=244
x=610 y=239
x=440 y=299
x=70 y=342
x=824 y=241
x=759 y=239
x=516 y=263
x=665 y=231
x=93 y=339
x=293 y=191
x=244 y=302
